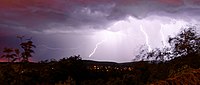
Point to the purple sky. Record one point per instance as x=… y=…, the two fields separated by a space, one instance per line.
x=107 y=30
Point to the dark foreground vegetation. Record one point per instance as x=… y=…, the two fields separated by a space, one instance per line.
x=178 y=64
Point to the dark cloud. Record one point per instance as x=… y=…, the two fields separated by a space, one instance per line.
x=39 y=15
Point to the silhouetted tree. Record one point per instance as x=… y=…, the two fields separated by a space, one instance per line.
x=185 y=43
x=10 y=54
x=27 y=50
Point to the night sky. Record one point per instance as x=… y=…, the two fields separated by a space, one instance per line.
x=106 y=30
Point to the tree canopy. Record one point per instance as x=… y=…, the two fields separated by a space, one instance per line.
x=185 y=43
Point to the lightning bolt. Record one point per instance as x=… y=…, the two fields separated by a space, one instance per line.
x=97 y=45
x=147 y=38
x=162 y=35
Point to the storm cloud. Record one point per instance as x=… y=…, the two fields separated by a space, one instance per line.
x=79 y=19
x=38 y=15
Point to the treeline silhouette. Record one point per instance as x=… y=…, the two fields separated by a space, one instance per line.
x=177 y=64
